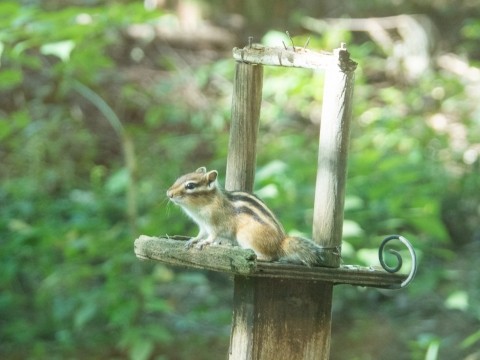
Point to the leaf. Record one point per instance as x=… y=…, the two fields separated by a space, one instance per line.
x=117 y=183
x=141 y=349
x=60 y=49
x=17 y=121
x=470 y=340
x=458 y=300
x=275 y=38
x=10 y=78
x=84 y=315
x=351 y=229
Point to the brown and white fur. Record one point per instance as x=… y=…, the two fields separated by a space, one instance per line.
x=229 y=216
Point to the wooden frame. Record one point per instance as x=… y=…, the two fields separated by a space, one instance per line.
x=283 y=311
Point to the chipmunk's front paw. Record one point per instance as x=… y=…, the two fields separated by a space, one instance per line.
x=204 y=243
x=192 y=242
x=199 y=242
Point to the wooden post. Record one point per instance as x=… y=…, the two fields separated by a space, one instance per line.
x=284 y=311
x=242 y=147
x=332 y=156
x=280 y=318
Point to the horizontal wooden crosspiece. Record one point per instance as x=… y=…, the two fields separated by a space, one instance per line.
x=298 y=57
x=238 y=261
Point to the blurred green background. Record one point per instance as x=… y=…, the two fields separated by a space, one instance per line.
x=104 y=103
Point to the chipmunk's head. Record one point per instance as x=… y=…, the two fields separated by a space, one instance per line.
x=193 y=188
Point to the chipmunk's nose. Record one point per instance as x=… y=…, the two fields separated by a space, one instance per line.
x=169 y=193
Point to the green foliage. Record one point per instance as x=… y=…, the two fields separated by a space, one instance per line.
x=71 y=283
x=92 y=133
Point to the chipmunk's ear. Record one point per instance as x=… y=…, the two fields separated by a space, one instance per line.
x=211 y=176
x=201 y=170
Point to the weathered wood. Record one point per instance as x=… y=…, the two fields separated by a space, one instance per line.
x=334 y=133
x=283 y=311
x=264 y=321
x=280 y=319
x=237 y=261
x=345 y=274
x=242 y=147
x=251 y=321
x=298 y=57
x=332 y=155
x=173 y=252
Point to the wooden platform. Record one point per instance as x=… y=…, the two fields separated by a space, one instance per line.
x=238 y=261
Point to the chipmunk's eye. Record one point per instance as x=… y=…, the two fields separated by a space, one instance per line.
x=190 y=185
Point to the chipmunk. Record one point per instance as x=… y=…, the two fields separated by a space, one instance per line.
x=226 y=216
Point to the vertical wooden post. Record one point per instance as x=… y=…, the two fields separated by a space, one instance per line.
x=280 y=319
x=272 y=318
x=332 y=155
x=242 y=147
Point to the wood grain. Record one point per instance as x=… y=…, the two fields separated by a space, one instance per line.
x=237 y=261
x=173 y=252
x=282 y=311
x=242 y=147
x=332 y=156
x=281 y=319
x=285 y=57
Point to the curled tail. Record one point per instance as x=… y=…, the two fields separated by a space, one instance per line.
x=298 y=250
